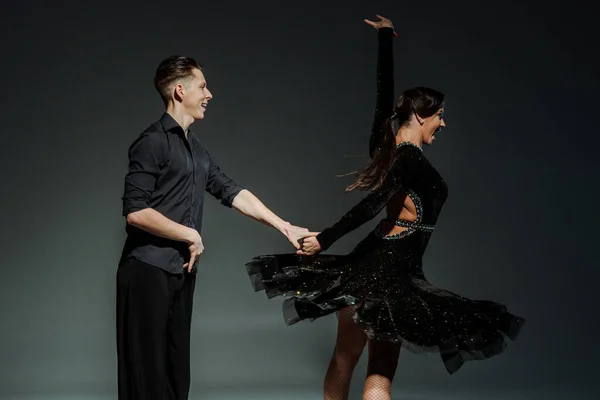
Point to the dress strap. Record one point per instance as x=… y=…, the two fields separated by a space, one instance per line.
x=411 y=225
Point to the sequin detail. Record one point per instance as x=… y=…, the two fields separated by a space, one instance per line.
x=408 y=144
x=412 y=226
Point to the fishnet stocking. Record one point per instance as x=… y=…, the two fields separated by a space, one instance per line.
x=383 y=360
x=349 y=345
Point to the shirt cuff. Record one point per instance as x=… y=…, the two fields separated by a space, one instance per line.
x=130 y=206
x=227 y=200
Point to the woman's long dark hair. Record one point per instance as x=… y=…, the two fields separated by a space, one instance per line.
x=420 y=100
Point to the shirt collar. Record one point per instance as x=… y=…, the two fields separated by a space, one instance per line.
x=170 y=125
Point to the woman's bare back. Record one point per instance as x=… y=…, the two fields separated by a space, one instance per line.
x=400 y=207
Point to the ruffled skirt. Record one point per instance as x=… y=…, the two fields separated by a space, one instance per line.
x=383 y=281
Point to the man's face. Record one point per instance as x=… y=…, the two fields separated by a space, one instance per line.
x=196 y=96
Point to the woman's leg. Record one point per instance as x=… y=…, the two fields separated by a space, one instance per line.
x=383 y=360
x=349 y=346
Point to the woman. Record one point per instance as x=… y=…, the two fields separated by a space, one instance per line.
x=379 y=289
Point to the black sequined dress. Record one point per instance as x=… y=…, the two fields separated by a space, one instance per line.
x=382 y=278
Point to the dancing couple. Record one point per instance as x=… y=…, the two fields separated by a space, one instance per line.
x=378 y=291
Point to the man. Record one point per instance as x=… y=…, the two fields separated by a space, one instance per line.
x=169 y=170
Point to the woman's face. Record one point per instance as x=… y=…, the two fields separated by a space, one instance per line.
x=432 y=125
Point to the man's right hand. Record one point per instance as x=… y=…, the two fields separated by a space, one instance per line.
x=196 y=248
x=294 y=233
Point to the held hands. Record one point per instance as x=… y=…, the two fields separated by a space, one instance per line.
x=382 y=23
x=295 y=233
x=303 y=240
x=310 y=245
x=196 y=248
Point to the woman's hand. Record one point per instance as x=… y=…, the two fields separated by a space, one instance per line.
x=382 y=23
x=310 y=246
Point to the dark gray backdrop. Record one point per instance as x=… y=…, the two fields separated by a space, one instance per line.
x=294 y=87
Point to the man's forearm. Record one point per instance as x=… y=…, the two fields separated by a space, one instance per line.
x=157 y=224
x=249 y=205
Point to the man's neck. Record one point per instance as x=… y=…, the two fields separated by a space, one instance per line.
x=179 y=116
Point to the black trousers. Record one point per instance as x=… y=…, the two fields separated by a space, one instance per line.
x=154 y=315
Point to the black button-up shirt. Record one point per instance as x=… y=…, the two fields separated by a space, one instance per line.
x=170 y=173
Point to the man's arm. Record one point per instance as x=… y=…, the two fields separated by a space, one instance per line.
x=151 y=221
x=145 y=156
x=249 y=205
x=238 y=197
